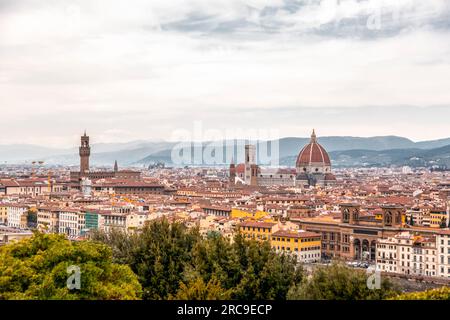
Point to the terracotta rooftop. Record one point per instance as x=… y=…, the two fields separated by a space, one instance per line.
x=257 y=224
x=293 y=234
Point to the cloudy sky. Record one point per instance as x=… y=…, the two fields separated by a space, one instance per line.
x=128 y=70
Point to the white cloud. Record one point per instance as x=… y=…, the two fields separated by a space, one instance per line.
x=110 y=65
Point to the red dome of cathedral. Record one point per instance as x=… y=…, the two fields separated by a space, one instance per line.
x=313 y=154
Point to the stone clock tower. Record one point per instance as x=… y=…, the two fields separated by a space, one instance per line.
x=85 y=153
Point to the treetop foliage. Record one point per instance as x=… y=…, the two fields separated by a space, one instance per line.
x=338 y=282
x=442 y=293
x=36 y=268
x=171 y=261
x=175 y=262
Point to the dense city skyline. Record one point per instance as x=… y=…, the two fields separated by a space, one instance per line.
x=313 y=230
x=249 y=152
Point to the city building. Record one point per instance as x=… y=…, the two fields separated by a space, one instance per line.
x=118 y=220
x=92 y=220
x=17 y=215
x=3 y=213
x=256 y=230
x=85 y=172
x=10 y=236
x=408 y=254
x=443 y=253
x=352 y=236
x=48 y=219
x=71 y=222
x=32 y=187
x=428 y=216
x=313 y=168
x=306 y=246
x=124 y=187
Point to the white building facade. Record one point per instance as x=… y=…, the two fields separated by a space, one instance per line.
x=408 y=254
x=17 y=215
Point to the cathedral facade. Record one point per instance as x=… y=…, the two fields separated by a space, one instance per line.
x=313 y=168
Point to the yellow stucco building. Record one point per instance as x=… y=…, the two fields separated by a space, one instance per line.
x=3 y=213
x=255 y=230
x=305 y=245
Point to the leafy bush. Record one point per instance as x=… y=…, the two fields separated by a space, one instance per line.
x=173 y=261
x=36 y=268
x=442 y=293
x=338 y=282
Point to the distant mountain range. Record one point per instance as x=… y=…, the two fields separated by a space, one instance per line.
x=344 y=151
x=102 y=153
x=439 y=157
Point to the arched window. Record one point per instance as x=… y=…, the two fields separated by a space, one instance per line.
x=399 y=218
x=388 y=218
x=346 y=217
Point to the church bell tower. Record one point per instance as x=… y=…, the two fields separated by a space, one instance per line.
x=85 y=153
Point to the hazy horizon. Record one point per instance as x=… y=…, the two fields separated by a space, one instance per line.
x=93 y=141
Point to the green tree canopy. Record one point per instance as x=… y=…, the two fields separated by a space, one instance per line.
x=171 y=261
x=338 y=282
x=157 y=255
x=442 y=293
x=36 y=268
x=197 y=289
x=250 y=269
x=169 y=258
